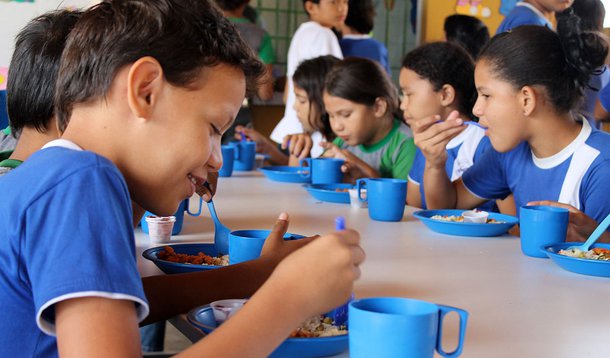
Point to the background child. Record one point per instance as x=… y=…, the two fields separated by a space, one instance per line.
x=356 y=40
x=466 y=31
x=437 y=79
x=362 y=103
x=312 y=39
x=528 y=86
x=533 y=12
x=166 y=77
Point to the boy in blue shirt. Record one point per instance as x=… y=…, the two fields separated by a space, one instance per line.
x=144 y=92
x=530 y=12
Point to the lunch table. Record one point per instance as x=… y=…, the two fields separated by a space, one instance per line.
x=519 y=306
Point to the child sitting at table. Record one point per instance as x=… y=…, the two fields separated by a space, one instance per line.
x=165 y=77
x=528 y=86
x=362 y=105
x=437 y=79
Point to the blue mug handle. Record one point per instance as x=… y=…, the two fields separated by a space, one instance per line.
x=306 y=173
x=443 y=310
x=361 y=184
x=188 y=209
x=237 y=147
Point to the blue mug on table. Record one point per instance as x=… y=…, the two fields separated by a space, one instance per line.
x=541 y=226
x=386 y=197
x=323 y=170
x=399 y=327
x=245 y=153
x=184 y=206
x=228 y=158
x=245 y=245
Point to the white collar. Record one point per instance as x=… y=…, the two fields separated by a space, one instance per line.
x=533 y=8
x=64 y=143
x=460 y=138
x=357 y=36
x=556 y=159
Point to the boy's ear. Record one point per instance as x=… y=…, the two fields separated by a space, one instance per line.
x=380 y=107
x=310 y=7
x=447 y=93
x=144 y=83
x=528 y=99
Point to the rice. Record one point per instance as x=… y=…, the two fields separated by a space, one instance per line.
x=593 y=254
x=318 y=326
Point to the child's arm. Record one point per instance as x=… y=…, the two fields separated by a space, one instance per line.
x=354 y=167
x=263 y=145
x=299 y=146
x=413 y=195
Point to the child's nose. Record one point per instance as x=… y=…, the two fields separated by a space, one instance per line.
x=215 y=161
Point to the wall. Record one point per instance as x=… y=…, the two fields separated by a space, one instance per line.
x=435 y=12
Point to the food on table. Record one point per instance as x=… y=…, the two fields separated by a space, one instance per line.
x=200 y=259
x=318 y=326
x=594 y=254
x=460 y=219
x=342 y=190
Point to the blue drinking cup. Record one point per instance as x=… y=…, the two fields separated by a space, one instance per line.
x=228 y=158
x=541 y=226
x=245 y=245
x=386 y=197
x=400 y=327
x=323 y=170
x=245 y=153
x=184 y=206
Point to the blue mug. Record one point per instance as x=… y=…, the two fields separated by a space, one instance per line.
x=399 y=327
x=323 y=170
x=184 y=206
x=245 y=153
x=228 y=157
x=541 y=226
x=245 y=245
x=386 y=197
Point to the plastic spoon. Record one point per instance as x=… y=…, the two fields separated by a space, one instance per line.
x=599 y=230
x=221 y=232
x=339 y=314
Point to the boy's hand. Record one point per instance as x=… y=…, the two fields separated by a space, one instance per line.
x=432 y=135
x=332 y=151
x=253 y=135
x=354 y=168
x=275 y=246
x=321 y=275
x=298 y=145
x=208 y=189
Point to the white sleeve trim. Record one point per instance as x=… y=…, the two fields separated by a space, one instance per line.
x=411 y=180
x=49 y=327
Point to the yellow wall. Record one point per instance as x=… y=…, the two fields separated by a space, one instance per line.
x=435 y=12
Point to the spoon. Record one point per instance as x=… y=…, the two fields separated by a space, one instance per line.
x=339 y=314
x=221 y=232
x=599 y=230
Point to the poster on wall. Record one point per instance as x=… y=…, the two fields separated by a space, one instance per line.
x=473 y=8
x=3 y=78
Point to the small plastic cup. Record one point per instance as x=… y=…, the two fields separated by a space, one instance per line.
x=475 y=216
x=225 y=309
x=353 y=199
x=160 y=227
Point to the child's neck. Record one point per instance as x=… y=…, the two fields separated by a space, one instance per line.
x=382 y=131
x=552 y=133
x=237 y=13
x=548 y=14
x=31 y=140
x=316 y=20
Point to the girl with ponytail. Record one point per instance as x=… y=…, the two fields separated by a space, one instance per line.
x=529 y=82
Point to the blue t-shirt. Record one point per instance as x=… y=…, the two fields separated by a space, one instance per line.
x=462 y=152
x=523 y=14
x=604 y=97
x=578 y=175
x=67 y=232
x=598 y=80
x=367 y=47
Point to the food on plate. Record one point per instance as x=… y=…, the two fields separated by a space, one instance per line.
x=318 y=326
x=342 y=190
x=200 y=259
x=460 y=219
x=594 y=254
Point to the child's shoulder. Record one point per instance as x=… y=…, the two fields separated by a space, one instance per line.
x=312 y=28
x=600 y=141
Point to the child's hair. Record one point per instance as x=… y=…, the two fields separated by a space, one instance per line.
x=184 y=36
x=361 y=15
x=466 y=31
x=591 y=13
x=34 y=67
x=559 y=62
x=310 y=76
x=444 y=63
x=230 y=5
x=362 y=81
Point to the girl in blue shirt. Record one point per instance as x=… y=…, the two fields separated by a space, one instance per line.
x=528 y=87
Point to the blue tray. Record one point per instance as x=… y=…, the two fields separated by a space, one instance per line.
x=174 y=267
x=203 y=318
x=285 y=174
x=465 y=229
x=578 y=265
x=328 y=192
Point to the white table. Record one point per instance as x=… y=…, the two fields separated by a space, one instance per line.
x=519 y=306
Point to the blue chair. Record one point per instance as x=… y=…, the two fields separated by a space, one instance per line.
x=3 y=112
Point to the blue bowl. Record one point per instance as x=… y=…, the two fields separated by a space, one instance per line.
x=573 y=264
x=189 y=249
x=285 y=174
x=329 y=193
x=465 y=229
x=203 y=318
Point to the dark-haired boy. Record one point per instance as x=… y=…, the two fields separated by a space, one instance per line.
x=144 y=92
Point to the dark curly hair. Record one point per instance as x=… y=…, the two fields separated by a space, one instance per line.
x=361 y=15
x=466 y=31
x=183 y=35
x=444 y=63
x=230 y=5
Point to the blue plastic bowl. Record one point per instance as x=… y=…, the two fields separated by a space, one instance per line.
x=203 y=318
x=573 y=264
x=189 y=249
x=329 y=193
x=285 y=174
x=462 y=228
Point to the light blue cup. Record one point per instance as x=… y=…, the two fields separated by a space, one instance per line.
x=386 y=197
x=184 y=206
x=541 y=226
x=323 y=170
x=399 y=327
x=245 y=245
x=228 y=158
x=245 y=153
